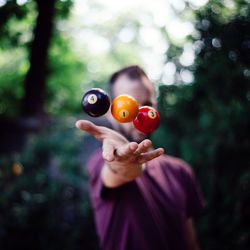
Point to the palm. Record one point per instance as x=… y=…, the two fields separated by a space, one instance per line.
x=122 y=156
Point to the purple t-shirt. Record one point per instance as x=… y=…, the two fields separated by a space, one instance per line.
x=149 y=212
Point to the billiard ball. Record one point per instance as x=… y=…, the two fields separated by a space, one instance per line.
x=124 y=108
x=147 y=120
x=95 y=102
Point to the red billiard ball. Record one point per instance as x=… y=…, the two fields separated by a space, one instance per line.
x=124 y=108
x=95 y=102
x=147 y=120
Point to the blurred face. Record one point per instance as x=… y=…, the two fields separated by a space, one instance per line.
x=143 y=91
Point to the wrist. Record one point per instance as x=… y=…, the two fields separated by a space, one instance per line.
x=111 y=178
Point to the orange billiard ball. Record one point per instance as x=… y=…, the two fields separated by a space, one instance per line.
x=124 y=108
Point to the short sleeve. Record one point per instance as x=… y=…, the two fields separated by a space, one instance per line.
x=195 y=202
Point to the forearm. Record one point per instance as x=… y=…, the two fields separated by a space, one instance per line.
x=114 y=179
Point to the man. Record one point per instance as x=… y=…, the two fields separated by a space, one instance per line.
x=142 y=199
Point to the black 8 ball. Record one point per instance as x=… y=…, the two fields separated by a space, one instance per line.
x=95 y=102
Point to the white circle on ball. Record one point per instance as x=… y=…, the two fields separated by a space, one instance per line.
x=123 y=113
x=151 y=114
x=92 y=99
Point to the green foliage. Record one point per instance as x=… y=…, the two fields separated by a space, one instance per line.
x=46 y=205
x=13 y=67
x=207 y=123
x=66 y=73
x=16 y=32
x=70 y=71
x=16 y=24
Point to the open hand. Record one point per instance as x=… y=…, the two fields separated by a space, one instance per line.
x=122 y=157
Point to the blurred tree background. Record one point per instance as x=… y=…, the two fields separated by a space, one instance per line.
x=53 y=51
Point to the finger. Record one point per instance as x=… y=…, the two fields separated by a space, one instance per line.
x=90 y=128
x=108 y=150
x=143 y=147
x=150 y=155
x=126 y=149
x=99 y=132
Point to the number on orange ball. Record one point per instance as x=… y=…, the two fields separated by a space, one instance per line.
x=124 y=108
x=147 y=120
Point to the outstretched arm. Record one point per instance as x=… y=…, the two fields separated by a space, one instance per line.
x=124 y=160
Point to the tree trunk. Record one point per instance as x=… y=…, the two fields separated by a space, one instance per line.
x=35 y=82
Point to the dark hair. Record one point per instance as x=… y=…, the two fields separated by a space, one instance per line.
x=133 y=72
